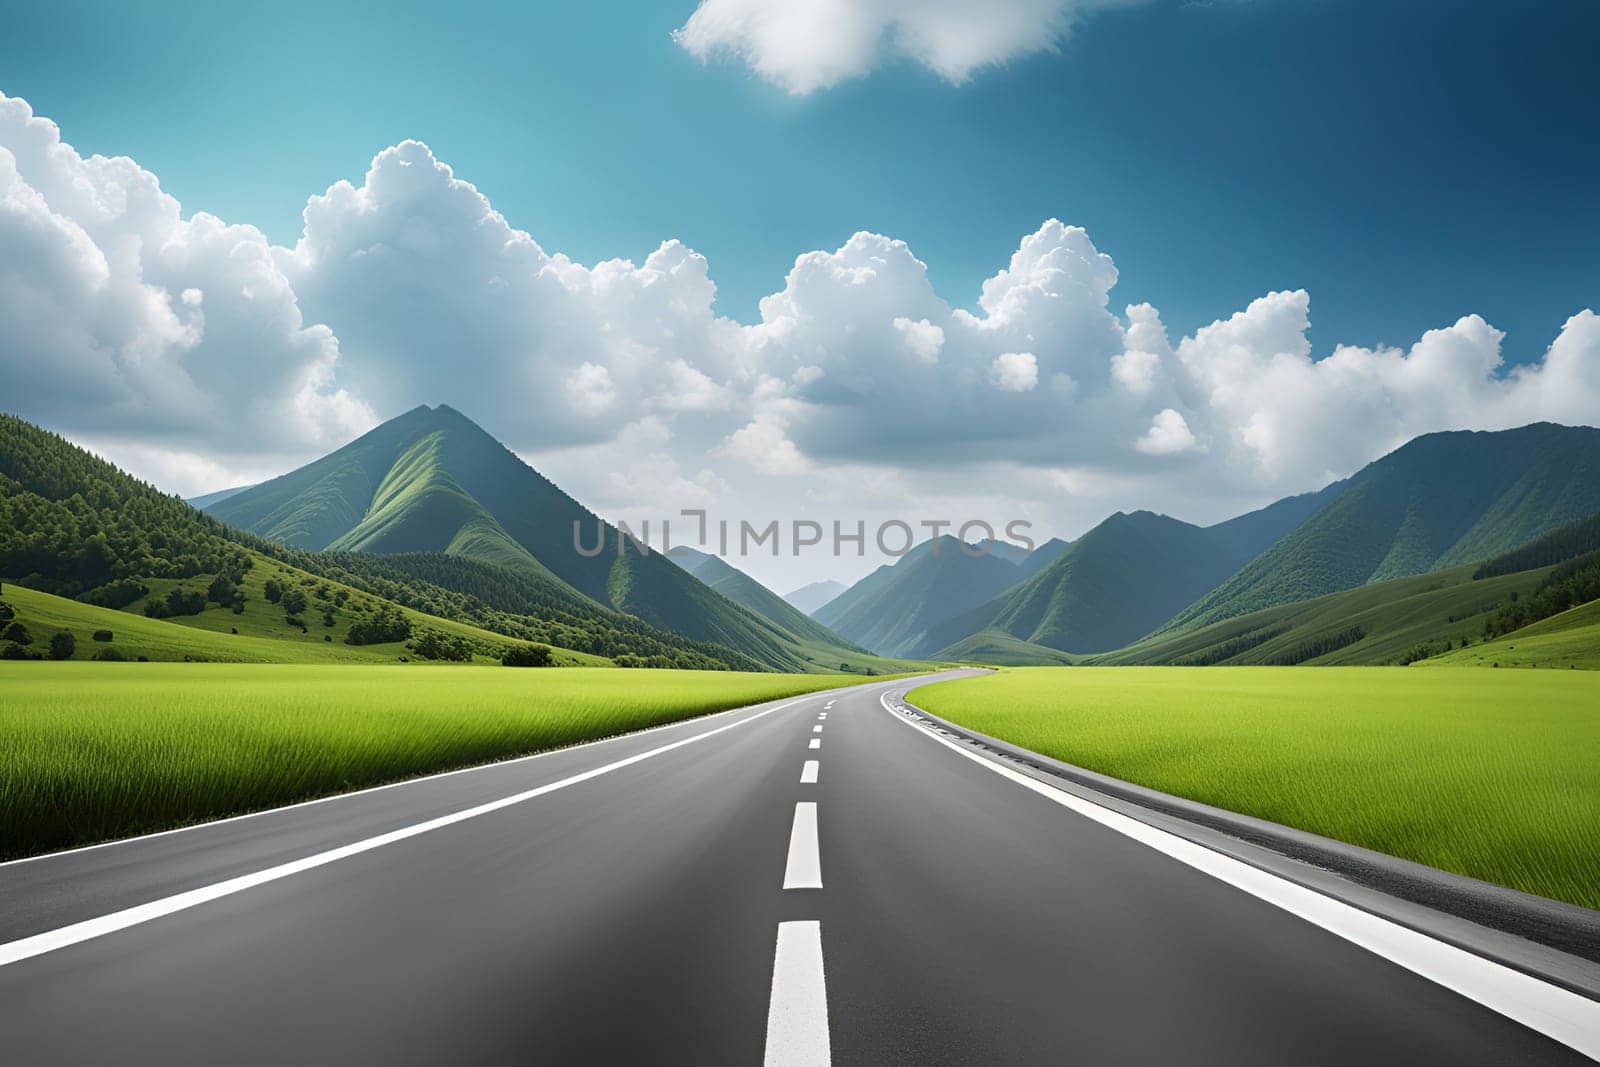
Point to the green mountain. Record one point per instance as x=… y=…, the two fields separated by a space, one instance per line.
x=1124 y=578
x=1040 y=558
x=891 y=610
x=751 y=595
x=433 y=481
x=813 y=596
x=77 y=530
x=1441 y=500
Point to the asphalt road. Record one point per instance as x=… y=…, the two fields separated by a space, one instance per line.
x=634 y=910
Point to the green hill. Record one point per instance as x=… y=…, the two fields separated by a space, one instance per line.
x=75 y=526
x=1121 y=580
x=1438 y=501
x=432 y=481
x=1570 y=639
x=891 y=610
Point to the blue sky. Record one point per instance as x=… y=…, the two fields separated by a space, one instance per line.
x=1407 y=163
x=1303 y=225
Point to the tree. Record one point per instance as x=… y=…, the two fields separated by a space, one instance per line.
x=62 y=644
x=16 y=633
x=221 y=591
x=293 y=601
x=272 y=591
x=102 y=635
x=7 y=612
x=526 y=656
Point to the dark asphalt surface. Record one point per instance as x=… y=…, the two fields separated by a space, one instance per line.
x=631 y=919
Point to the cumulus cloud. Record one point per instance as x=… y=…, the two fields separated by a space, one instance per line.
x=1014 y=372
x=125 y=320
x=805 y=45
x=1168 y=435
x=196 y=352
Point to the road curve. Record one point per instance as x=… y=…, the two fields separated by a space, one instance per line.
x=807 y=881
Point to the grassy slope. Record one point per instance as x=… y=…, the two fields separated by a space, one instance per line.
x=1441 y=500
x=90 y=751
x=1445 y=605
x=999 y=647
x=263 y=637
x=1482 y=773
x=1570 y=639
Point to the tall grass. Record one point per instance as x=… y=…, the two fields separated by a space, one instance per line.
x=1493 y=774
x=90 y=751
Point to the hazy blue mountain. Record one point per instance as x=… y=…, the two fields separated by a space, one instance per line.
x=208 y=499
x=739 y=587
x=809 y=598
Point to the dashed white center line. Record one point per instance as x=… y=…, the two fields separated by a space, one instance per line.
x=822 y=715
x=817 y=729
x=804 y=869
x=828 y=705
x=808 y=773
x=816 y=742
x=797 y=1015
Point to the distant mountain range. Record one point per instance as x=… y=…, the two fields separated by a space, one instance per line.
x=431 y=480
x=809 y=598
x=1441 y=500
x=892 y=610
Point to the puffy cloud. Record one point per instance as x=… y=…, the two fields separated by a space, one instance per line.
x=1014 y=372
x=806 y=45
x=1168 y=435
x=923 y=339
x=192 y=350
x=126 y=321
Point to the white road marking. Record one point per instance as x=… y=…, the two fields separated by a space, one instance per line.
x=828 y=705
x=817 y=729
x=50 y=940
x=1567 y=1017
x=797 y=1014
x=804 y=868
x=808 y=773
x=816 y=742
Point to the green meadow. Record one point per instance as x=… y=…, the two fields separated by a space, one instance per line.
x=92 y=751
x=1491 y=774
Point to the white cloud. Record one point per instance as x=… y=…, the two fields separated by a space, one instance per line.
x=123 y=320
x=193 y=351
x=805 y=45
x=1014 y=372
x=1168 y=435
x=922 y=338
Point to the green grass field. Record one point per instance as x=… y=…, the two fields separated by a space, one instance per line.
x=1491 y=774
x=91 y=751
x=1570 y=639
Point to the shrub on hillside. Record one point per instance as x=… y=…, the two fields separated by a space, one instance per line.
x=431 y=644
x=102 y=635
x=526 y=656
x=179 y=601
x=16 y=633
x=62 y=644
x=389 y=624
x=12 y=650
x=294 y=601
x=110 y=655
x=272 y=591
x=222 y=590
x=7 y=612
x=116 y=594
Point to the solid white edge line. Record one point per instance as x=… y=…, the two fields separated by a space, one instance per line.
x=816 y=742
x=62 y=937
x=1567 y=1017
x=331 y=797
x=803 y=869
x=808 y=772
x=797 y=1014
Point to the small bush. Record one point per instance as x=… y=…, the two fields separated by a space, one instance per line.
x=110 y=655
x=273 y=591
x=526 y=656
x=12 y=650
x=116 y=594
x=7 y=612
x=435 y=645
x=63 y=644
x=102 y=635
x=294 y=601
x=16 y=633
